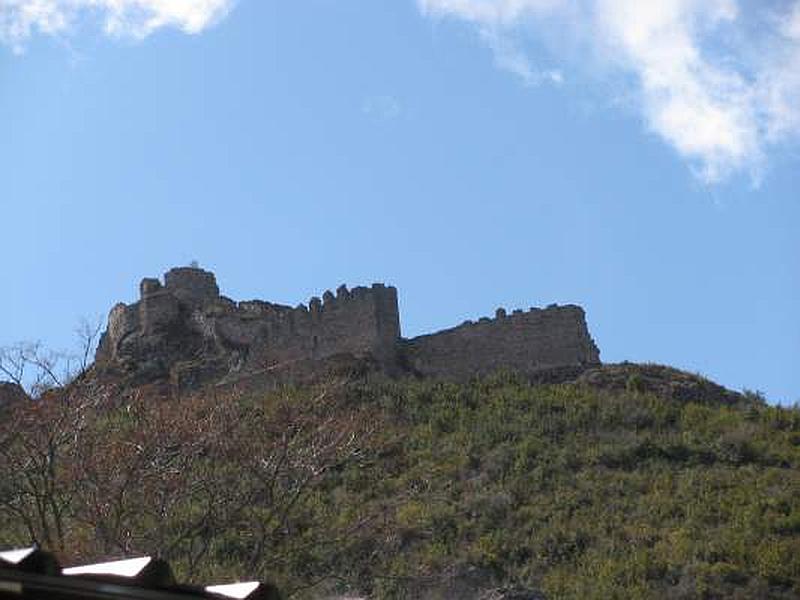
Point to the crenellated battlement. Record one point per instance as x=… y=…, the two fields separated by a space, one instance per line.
x=501 y=315
x=185 y=322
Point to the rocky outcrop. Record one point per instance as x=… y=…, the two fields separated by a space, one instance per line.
x=666 y=382
x=186 y=332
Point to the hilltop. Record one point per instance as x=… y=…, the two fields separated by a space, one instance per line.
x=497 y=488
x=183 y=335
x=316 y=447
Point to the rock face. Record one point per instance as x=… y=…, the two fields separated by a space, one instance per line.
x=184 y=331
x=665 y=382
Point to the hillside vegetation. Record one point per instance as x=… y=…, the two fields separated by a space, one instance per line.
x=415 y=489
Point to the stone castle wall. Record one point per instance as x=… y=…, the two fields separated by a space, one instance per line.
x=186 y=324
x=186 y=331
x=535 y=340
x=360 y=321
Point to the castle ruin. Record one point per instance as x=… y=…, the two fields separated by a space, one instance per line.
x=186 y=332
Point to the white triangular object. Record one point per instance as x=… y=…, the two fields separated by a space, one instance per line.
x=234 y=590
x=130 y=567
x=16 y=556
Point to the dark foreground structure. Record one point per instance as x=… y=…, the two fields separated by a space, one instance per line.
x=33 y=574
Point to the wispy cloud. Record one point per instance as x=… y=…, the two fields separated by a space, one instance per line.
x=721 y=91
x=510 y=57
x=20 y=19
x=382 y=107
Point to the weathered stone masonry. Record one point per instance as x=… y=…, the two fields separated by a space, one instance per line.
x=538 y=339
x=186 y=331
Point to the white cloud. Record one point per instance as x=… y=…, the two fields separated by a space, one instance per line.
x=779 y=82
x=382 y=108
x=490 y=12
x=20 y=19
x=494 y=18
x=509 y=57
x=695 y=80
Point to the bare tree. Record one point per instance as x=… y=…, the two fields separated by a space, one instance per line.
x=38 y=369
x=92 y=474
x=31 y=366
x=171 y=478
x=88 y=333
x=36 y=440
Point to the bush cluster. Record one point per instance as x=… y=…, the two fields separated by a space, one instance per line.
x=413 y=489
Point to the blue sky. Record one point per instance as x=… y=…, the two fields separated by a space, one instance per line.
x=639 y=159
